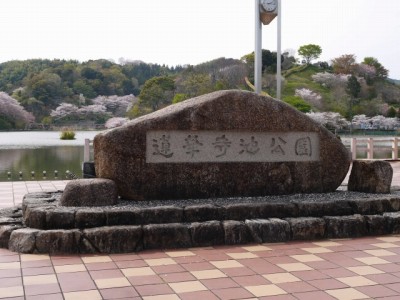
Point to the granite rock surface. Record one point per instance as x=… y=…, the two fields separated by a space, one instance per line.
x=286 y=151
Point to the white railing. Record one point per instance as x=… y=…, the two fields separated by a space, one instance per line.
x=372 y=146
x=86 y=150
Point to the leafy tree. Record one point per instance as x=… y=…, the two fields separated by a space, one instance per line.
x=353 y=88
x=310 y=52
x=344 y=64
x=194 y=84
x=179 y=98
x=157 y=91
x=381 y=71
x=391 y=113
x=268 y=61
x=81 y=86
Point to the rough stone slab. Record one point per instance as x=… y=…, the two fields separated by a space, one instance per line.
x=88 y=218
x=121 y=217
x=307 y=228
x=9 y=221
x=269 y=231
x=371 y=177
x=90 y=192
x=245 y=211
x=5 y=233
x=60 y=218
x=236 y=232
x=39 y=199
x=58 y=241
x=376 y=224
x=207 y=233
x=369 y=207
x=115 y=239
x=320 y=209
x=345 y=226
x=162 y=236
x=393 y=222
x=35 y=217
x=201 y=213
x=395 y=203
x=120 y=154
x=160 y=215
x=23 y=240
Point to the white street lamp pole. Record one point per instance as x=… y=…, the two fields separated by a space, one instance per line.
x=257 y=52
x=270 y=9
x=278 y=54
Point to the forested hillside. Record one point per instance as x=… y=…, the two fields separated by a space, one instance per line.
x=63 y=92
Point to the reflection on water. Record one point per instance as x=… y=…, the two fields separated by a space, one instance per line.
x=49 y=159
x=38 y=151
x=37 y=139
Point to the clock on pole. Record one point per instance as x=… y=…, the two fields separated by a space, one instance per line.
x=269 y=10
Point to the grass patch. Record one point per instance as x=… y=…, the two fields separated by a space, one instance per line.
x=67 y=135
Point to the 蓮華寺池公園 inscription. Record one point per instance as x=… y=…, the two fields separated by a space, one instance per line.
x=226 y=146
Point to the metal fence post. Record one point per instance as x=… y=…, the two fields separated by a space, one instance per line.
x=86 y=151
x=395 y=148
x=353 y=148
x=370 y=148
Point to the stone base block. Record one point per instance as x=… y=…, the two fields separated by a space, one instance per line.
x=307 y=228
x=345 y=226
x=371 y=177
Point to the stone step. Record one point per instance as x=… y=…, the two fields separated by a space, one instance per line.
x=42 y=210
x=130 y=238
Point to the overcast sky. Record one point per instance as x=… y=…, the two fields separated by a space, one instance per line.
x=193 y=31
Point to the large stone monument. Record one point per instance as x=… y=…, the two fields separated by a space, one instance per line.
x=223 y=144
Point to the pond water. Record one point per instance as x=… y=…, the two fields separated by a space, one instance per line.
x=38 y=151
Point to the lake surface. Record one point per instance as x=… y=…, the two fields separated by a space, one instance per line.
x=38 y=151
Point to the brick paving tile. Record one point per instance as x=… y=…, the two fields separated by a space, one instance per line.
x=233 y=293
x=154 y=289
x=310 y=275
x=376 y=291
x=383 y=278
x=177 y=277
x=204 y=295
x=145 y=280
x=221 y=283
x=101 y=266
x=318 y=295
x=330 y=283
x=117 y=293
x=251 y=280
x=44 y=297
x=296 y=287
x=42 y=289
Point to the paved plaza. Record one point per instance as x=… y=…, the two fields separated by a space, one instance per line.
x=363 y=268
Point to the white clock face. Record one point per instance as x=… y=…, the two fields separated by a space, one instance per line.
x=269 y=5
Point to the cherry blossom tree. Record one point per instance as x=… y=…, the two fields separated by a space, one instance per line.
x=12 y=113
x=330 y=120
x=117 y=105
x=67 y=111
x=375 y=123
x=330 y=80
x=115 y=122
x=309 y=96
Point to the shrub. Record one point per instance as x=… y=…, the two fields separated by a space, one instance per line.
x=67 y=135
